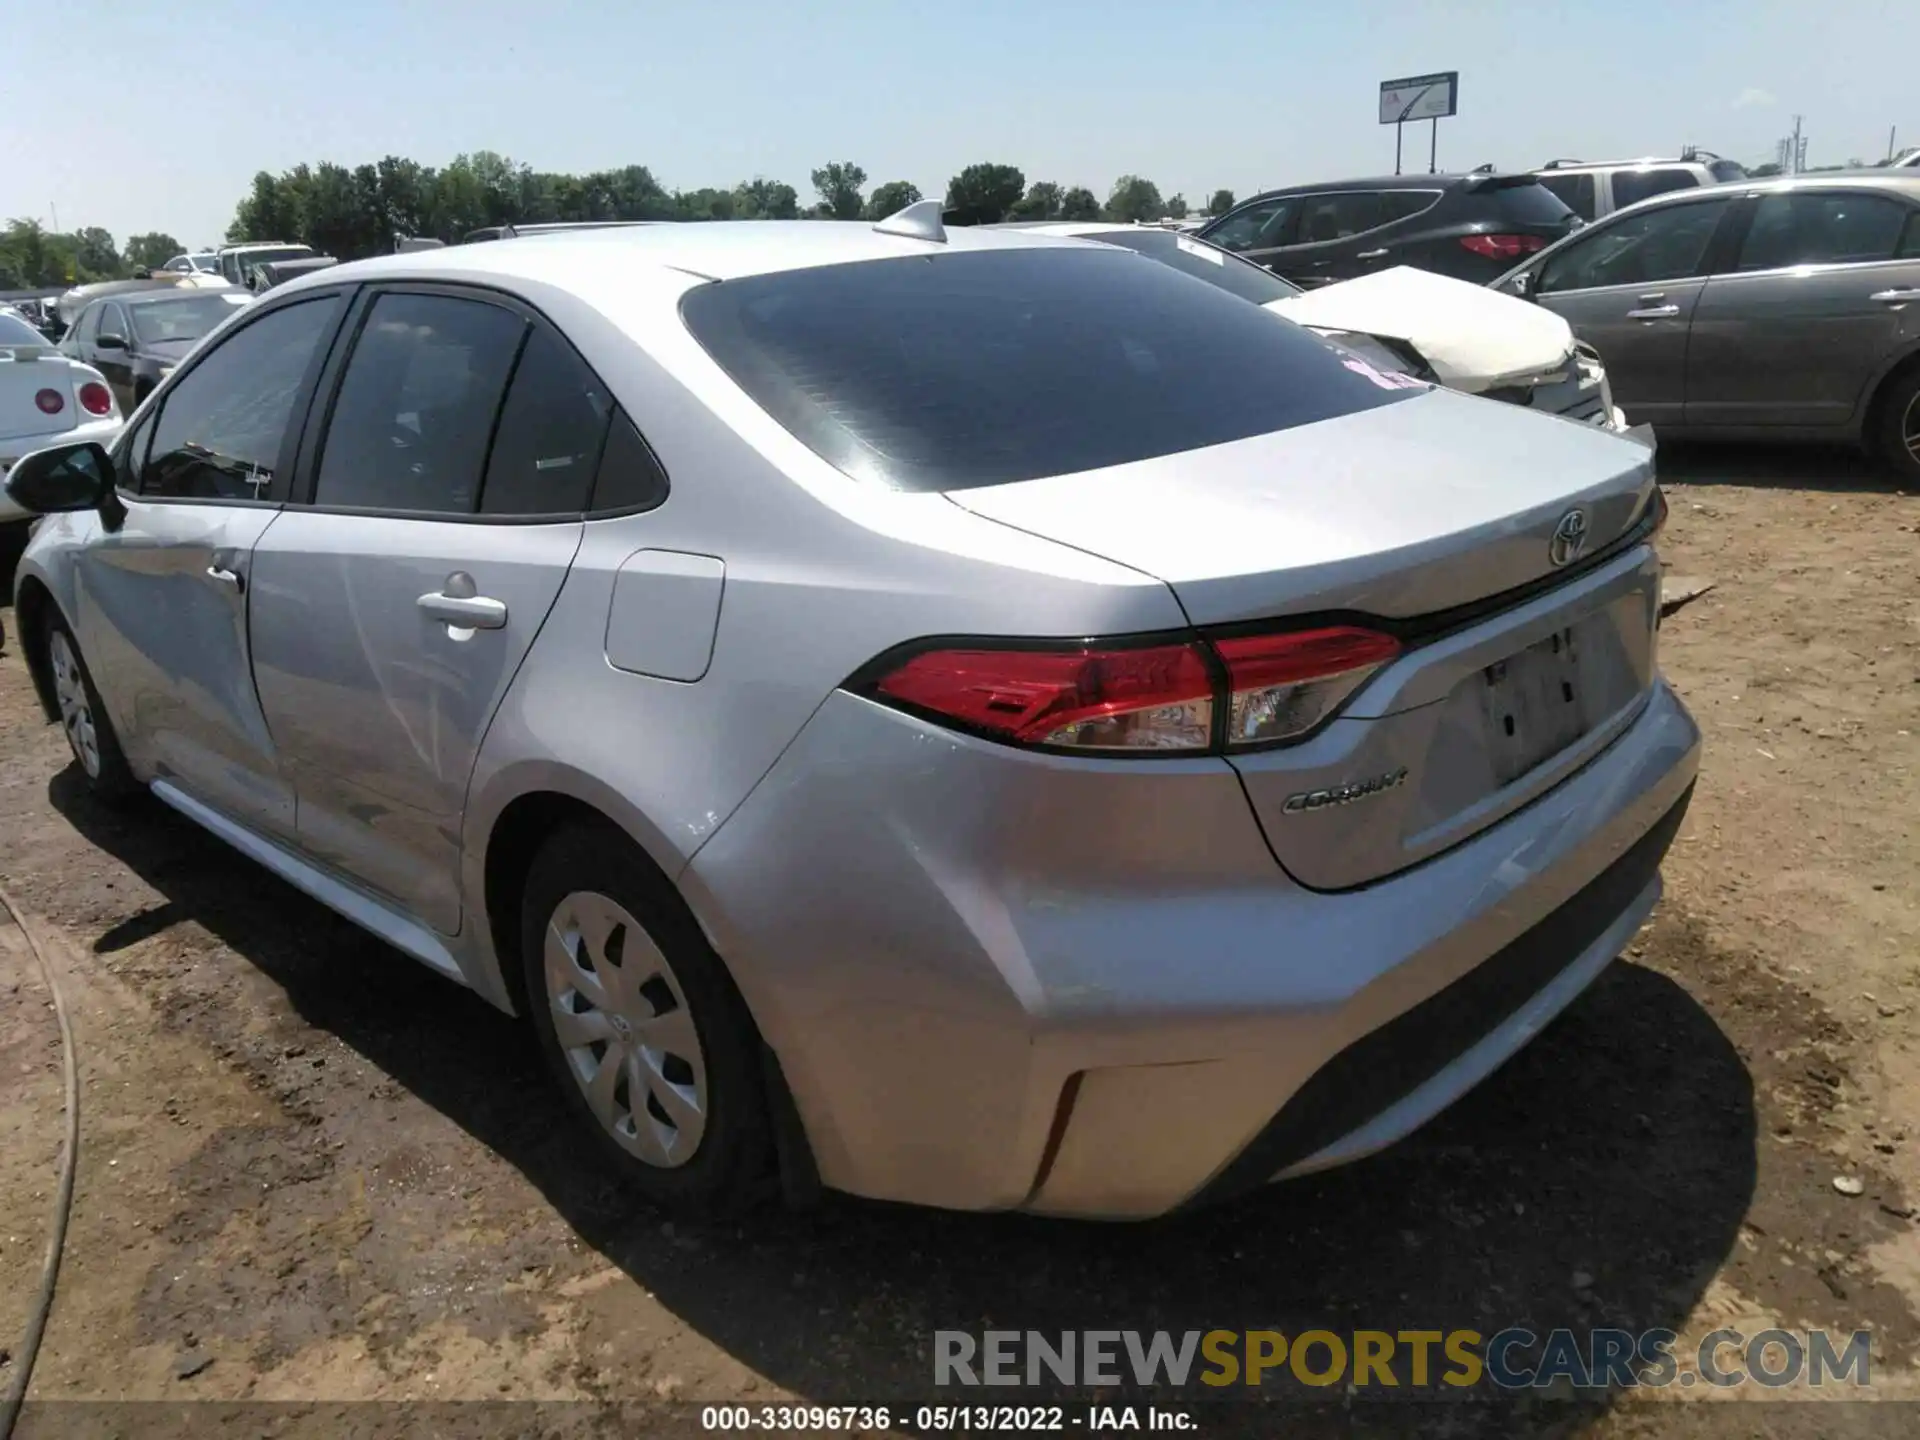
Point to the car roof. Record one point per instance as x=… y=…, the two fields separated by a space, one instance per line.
x=1389 y=182
x=177 y=292
x=1644 y=162
x=1890 y=181
x=584 y=261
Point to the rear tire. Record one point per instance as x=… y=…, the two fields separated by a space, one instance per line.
x=641 y=1026
x=90 y=737
x=1899 y=439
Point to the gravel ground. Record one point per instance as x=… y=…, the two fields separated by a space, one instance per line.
x=312 y=1171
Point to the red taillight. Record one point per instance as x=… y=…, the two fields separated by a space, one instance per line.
x=1503 y=247
x=1156 y=698
x=95 y=398
x=1161 y=698
x=1284 y=685
x=50 y=402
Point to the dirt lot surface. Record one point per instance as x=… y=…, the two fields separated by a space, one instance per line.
x=311 y=1170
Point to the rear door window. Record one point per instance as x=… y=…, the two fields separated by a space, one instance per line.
x=551 y=431
x=1326 y=218
x=1405 y=204
x=416 y=405
x=1813 y=228
x=1664 y=244
x=989 y=367
x=1630 y=186
x=1576 y=192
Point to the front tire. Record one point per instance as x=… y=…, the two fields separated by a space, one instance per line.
x=1899 y=439
x=642 y=1028
x=90 y=736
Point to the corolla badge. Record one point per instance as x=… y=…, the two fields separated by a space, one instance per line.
x=1569 y=538
x=1344 y=794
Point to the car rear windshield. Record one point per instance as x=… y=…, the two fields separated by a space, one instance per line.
x=1528 y=204
x=187 y=318
x=982 y=368
x=1202 y=261
x=15 y=331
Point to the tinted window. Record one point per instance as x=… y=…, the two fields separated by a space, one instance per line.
x=1725 y=170
x=1404 y=204
x=1259 y=226
x=630 y=477
x=1576 y=192
x=1663 y=244
x=1202 y=261
x=416 y=405
x=550 y=434
x=1910 y=246
x=984 y=367
x=1526 y=204
x=1822 y=229
x=1632 y=185
x=220 y=431
x=131 y=458
x=1334 y=217
x=89 y=325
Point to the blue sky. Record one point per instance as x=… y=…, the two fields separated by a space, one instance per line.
x=160 y=114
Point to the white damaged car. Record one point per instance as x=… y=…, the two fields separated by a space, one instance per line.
x=46 y=399
x=1406 y=321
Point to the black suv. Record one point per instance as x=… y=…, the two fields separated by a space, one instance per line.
x=1473 y=227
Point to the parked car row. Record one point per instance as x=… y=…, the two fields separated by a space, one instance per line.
x=1720 y=306
x=975 y=717
x=1784 y=309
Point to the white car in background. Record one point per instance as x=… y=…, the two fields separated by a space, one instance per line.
x=46 y=399
x=1407 y=322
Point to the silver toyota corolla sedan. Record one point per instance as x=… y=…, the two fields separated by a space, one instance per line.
x=975 y=718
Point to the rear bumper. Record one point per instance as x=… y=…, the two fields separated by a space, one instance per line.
x=1000 y=980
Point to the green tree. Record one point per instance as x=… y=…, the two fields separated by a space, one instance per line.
x=95 y=251
x=759 y=199
x=1041 y=202
x=1079 y=204
x=152 y=250
x=703 y=204
x=1134 y=199
x=983 y=194
x=1221 y=202
x=1176 y=207
x=838 y=183
x=891 y=198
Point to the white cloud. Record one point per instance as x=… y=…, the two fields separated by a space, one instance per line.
x=1751 y=96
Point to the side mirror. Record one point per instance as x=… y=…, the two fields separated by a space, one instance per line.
x=1523 y=283
x=109 y=342
x=61 y=479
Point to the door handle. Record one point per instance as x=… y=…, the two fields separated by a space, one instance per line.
x=1652 y=296
x=1895 y=297
x=1370 y=254
x=226 y=579
x=1654 y=312
x=465 y=612
x=460 y=605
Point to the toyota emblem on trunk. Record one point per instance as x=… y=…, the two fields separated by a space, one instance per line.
x=1569 y=538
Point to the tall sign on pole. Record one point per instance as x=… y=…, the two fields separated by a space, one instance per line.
x=1419 y=97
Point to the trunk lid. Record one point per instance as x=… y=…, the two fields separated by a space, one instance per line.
x=26 y=370
x=1400 y=514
